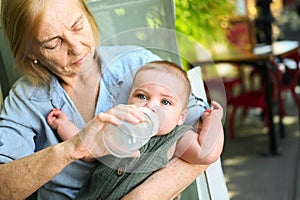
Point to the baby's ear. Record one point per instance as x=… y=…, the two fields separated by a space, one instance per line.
x=182 y=117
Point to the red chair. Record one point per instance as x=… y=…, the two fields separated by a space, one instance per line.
x=288 y=66
x=290 y=78
x=249 y=99
x=229 y=80
x=231 y=84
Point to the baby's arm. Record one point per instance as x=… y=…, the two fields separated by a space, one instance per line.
x=195 y=148
x=59 y=120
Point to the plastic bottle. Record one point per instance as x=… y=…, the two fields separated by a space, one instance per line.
x=124 y=140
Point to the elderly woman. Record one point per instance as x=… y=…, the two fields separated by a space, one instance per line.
x=54 y=43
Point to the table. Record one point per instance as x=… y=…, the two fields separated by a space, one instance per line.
x=263 y=57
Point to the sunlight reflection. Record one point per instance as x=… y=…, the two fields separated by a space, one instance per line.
x=287 y=120
x=235 y=161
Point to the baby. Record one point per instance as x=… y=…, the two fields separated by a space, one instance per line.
x=163 y=87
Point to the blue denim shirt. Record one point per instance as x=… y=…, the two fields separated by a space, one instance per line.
x=23 y=125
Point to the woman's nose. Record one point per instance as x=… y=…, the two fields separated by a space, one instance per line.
x=74 y=46
x=74 y=49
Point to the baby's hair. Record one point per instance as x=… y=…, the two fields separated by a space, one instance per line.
x=171 y=69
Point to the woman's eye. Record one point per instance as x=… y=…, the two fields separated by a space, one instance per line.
x=52 y=45
x=78 y=27
x=165 y=102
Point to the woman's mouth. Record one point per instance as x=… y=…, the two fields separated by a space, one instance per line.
x=80 y=61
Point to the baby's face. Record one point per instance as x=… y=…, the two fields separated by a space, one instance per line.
x=157 y=91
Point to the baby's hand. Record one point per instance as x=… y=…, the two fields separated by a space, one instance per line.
x=211 y=117
x=52 y=117
x=215 y=109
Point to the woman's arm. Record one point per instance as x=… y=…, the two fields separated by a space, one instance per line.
x=22 y=177
x=168 y=182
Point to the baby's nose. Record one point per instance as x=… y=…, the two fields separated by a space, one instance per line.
x=151 y=105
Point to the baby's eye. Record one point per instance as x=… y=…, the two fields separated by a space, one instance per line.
x=141 y=96
x=165 y=102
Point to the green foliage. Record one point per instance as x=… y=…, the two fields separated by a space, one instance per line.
x=202 y=20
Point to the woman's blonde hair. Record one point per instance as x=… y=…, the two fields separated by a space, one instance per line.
x=21 y=19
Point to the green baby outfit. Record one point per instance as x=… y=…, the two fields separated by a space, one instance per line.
x=115 y=177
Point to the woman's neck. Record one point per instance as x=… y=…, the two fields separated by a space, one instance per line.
x=85 y=77
x=84 y=89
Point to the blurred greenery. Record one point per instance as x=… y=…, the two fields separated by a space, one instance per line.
x=204 y=20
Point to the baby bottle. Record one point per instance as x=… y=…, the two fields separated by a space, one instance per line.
x=124 y=140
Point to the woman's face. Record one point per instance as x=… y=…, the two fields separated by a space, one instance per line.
x=65 y=41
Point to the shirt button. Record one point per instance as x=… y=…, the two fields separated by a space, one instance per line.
x=120 y=171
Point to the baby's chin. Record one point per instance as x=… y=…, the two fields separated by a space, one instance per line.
x=164 y=131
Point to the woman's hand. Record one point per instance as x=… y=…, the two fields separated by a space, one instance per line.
x=91 y=144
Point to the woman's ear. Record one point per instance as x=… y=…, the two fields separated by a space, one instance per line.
x=182 y=117
x=31 y=56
